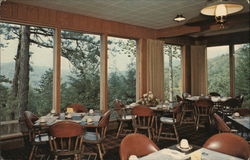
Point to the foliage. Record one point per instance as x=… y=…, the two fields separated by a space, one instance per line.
x=172 y=71
x=242 y=81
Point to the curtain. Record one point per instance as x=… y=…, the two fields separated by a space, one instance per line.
x=155 y=68
x=198 y=70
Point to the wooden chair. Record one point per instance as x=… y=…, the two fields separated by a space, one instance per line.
x=66 y=139
x=99 y=135
x=37 y=136
x=229 y=143
x=143 y=118
x=78 y=108
x=136 y=144
x=203 y=110
x=123 y=117
x=229 y=107
x=188 y=112
x=214 y=94
x=170 y=123
x=221 y=125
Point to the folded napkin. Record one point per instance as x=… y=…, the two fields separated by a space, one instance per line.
x=133 y=157
x=175 y=154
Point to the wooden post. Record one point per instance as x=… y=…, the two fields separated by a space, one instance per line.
x=232 y=69
x=104 y=73
x=57 y=71
x=186 y=68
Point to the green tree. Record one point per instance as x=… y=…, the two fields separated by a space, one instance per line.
x=242 y=81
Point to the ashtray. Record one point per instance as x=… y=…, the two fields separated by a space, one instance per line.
x=184 y=149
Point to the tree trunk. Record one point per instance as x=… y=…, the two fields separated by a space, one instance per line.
x=171 y=74
x=17 y=69
x=23 y=89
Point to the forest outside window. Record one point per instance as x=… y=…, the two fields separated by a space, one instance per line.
x=26 y=70
x=80 y=69
x=218 y=70
x=121 y=70
x=242 y=72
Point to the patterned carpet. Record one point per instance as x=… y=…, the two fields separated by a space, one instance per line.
x=112 y=143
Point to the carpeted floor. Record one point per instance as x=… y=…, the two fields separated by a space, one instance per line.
x=112 y=143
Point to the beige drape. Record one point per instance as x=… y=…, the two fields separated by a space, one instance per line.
x=198 y=70
x=155 y=67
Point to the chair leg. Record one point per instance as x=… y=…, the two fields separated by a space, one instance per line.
x=176 y=134
x=197 y=123
x=32 y=152
x=119 y=129
x=136 y=130
x=159 y=134
x=103 y=148
x=182 y=117
x=100 y=151
x=149 y=134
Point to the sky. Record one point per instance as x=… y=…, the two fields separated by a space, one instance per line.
x=44 y=57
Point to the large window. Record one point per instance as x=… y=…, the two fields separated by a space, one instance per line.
x=242 y=72
x=172 y=71
x=121 y=70
x=80 y=69
x=218 y=70
x=26 y=70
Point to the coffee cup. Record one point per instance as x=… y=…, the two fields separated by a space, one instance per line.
x=184 y=144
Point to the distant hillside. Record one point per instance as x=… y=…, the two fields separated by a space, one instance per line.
x=8 y=70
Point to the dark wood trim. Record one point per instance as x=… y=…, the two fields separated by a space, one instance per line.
x=232 y=69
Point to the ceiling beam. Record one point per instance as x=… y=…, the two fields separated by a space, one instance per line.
x=177 y=31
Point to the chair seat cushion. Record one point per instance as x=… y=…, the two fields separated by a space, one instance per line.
x=167 y=120
x=91 y=137
x=127 y=117
x=42 y=138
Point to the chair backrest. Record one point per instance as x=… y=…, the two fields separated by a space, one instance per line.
x=240 y=98
x=177 y=111
x=103 y=124
x=203 y=106
x=66 y=137
x=178 y=98
x=136 y=144
x=78 y=108
x=214 y=94
x=229 y=143
x=142 y=116
x=119 y=108
x=29 y=119
x=220 y=124
x=232 y=103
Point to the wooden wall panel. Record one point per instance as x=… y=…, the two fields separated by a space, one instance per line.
x=21 y=13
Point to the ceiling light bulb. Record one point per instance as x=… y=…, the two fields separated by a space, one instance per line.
x=220 y=10
x=179 y=18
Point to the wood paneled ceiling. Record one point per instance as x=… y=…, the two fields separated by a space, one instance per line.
x=154 y=14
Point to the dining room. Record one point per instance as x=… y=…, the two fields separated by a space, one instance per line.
x=111 y=79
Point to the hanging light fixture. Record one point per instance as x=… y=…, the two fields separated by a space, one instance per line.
x=220 y=9
x=179 y=18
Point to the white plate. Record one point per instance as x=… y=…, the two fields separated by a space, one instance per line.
x=184 y=149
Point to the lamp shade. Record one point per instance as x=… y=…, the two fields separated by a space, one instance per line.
x=179 y=18
x=221 y=8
